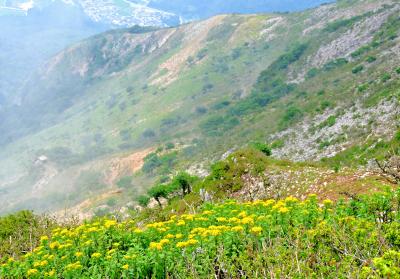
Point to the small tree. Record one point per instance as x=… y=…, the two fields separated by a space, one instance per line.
x=184 y=181
x=159 y=191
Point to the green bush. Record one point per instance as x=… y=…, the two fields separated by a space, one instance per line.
x=159 y=191
x=292 y=115
x=169 y=146
x=125 y=182
x=217 y=124
x=329 y=122
x=398 y=70
x=143 y=200
x=362 y=87
x=371 y=59
x=331 y=65
x=20 y=233
x=361 y=51
x=164 y=163
x=385 y=77
x=342 y=23
x=278 y=144
x=357 y=69
x=263 y=147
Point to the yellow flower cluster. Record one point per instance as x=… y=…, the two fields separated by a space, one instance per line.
x=70 y=250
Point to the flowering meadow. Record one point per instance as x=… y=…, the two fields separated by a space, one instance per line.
x=261 y=239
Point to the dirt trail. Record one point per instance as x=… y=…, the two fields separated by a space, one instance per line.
x=129 y=164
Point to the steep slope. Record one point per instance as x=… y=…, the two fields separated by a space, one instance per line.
x=304 y=82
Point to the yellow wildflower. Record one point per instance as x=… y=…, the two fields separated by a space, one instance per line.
x=247 y=220
x=283 y=210
x=155 y=246
x=44 y=238
x=96 y=255
x=110 y=223
x=327 y=202
x=32 y=271
x=242 y=214
x=78 y=254
x=54 y=245
x=256 y=230
x=237 y=228
x=74 y=266
x=291 y=199
x=169 y=236
x=179 y=235
x=164 y=241
x=181 y=223
x=126 y=267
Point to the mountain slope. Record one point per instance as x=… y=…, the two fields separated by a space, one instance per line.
x=312 y=83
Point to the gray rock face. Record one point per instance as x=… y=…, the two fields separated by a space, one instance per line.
x=303 y=142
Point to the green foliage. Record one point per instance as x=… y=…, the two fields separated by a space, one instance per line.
x=184 y=181
x=90 y=181
x=226 y=176
x=371 y=59
x=329 y=122
x=331 y=65
x=324 y=144
x=362 y=50
x=292 y=115
x=149 y=133
x=398 y=70
x=270 y=84
x=342 y=23
x=263 y=147
x=216 y=125
x=112 y=202
x=357 y=69
x=355 y=238
x=325 y=104
x=312 y=73
x=169 y=146
x=159 y=191
x=143 y=200
x=361 y=154
x=385 y=77
x=278 y=144
x=125 y=182
x=21 y=232
x=362 y=87
x=163 y=163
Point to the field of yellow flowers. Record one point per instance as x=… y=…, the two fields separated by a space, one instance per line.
x=261 y=239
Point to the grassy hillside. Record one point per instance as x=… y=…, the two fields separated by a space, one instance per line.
x=355 y=238
x=314 y=84
x=224 y=225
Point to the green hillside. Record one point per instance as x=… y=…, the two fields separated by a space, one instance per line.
x=318 y=84
x=311 y=236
